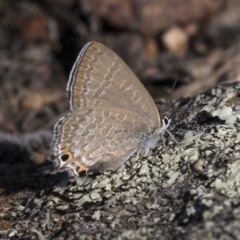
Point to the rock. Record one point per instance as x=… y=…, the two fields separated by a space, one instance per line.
x=183 y=187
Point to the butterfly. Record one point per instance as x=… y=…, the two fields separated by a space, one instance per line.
x=112 y=116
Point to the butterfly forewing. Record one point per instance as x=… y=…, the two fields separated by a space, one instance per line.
x=99 y=77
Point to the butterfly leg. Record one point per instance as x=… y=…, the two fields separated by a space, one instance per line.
x=173 y=138
x=163 y=140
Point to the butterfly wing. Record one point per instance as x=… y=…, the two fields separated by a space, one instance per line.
x=100 y=78
x=99 y=137
x=112 y=114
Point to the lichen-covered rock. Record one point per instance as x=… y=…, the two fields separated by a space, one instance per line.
x=188 y=190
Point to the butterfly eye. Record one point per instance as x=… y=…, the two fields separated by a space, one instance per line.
x=65 y=157
x=166 y=121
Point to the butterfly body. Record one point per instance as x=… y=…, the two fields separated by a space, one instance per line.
x=112 y=115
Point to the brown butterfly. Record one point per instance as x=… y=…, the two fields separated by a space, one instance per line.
x=112 y=116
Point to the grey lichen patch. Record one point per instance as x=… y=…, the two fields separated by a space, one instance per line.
x=178 y=189
x=229 y=184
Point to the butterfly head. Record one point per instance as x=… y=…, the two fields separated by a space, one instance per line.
x=165 y=123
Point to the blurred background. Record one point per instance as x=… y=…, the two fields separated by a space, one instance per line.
x=193 y=42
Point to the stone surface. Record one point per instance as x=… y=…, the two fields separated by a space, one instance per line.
x=188 y=190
